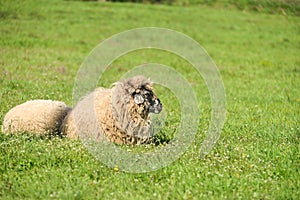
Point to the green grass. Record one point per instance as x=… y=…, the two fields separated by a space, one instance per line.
x=284 y=7
x=257 y=155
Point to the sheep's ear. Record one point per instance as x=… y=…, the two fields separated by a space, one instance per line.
x=138 y=99
x=148 y=87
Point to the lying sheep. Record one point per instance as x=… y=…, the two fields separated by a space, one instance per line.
x=120 y=114
x=36 y=116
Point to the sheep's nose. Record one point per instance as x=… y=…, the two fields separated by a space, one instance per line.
x=156 y=107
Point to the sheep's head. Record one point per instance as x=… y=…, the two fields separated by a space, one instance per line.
x=133 y=99
x=145 y=98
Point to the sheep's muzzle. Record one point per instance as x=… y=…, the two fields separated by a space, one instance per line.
x=155 y=106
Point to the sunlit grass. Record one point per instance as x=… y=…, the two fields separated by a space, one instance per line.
x=257 y=155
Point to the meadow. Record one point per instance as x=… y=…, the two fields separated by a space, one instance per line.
x=257 y=156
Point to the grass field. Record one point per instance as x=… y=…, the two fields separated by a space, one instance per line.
x=257 y=155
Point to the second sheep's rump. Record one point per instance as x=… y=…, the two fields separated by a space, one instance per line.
x=41 y=117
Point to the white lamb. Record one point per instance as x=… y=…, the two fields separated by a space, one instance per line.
x=36 y=116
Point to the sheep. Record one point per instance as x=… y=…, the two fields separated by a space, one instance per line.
x=119 y=114
x=41 y=117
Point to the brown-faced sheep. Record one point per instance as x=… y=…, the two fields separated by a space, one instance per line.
x=37 y=116
x=120 y=114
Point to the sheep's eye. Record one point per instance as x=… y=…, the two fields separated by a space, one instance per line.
x=146 y=93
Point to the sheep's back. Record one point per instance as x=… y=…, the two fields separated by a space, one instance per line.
x=88 y=116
